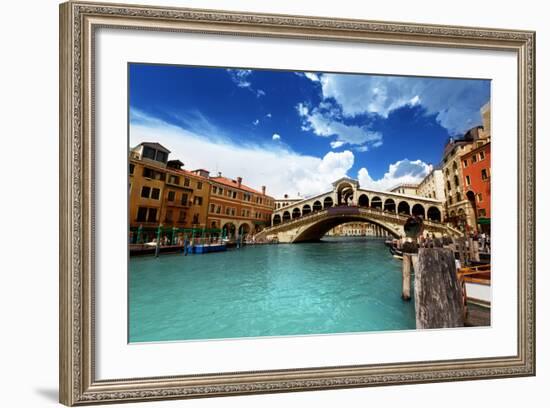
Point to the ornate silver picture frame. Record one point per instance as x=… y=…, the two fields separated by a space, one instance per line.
x=79 y=22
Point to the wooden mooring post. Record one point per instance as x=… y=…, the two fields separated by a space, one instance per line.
x=407 y=265
x=437 y=292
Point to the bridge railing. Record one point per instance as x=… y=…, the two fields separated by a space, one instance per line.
x=346 y=211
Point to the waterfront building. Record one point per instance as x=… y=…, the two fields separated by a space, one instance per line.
x=476 y=169
x=405 y=188
x=161 y=193
x=285 y=201
x=236 y=208
x=358 y=229
x=459 y=209
x=432 y=186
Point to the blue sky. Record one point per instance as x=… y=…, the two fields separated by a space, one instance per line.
x=296 y=132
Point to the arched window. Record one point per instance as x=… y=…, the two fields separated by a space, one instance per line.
x=404 y=208
x=363 y=200
x=306 y=209
x=434 y=214
x=376 y=202
x=296 y=213
x=317 y=206
x=327 y=202
x=418 y=210
x=389 y=205
x=286 y=216
x=276 y=219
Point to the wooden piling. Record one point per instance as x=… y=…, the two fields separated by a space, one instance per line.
x=438 y=294
x=406 y=271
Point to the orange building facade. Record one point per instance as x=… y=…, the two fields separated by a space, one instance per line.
x=237 y=209
x=161 y=194
x=476 y=171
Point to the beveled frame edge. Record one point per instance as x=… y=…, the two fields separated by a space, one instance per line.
x=77 y=23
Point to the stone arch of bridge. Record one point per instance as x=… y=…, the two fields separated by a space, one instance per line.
x=316 y=230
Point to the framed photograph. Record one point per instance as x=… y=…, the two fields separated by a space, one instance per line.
x=256 y=203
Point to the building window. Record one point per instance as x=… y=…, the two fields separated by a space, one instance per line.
x=234 y=194
x=195 y=218
x=474 y=158
x=465 y=163
x=479 y=197
x=456 y=181
x=458 y=197
x=152 y=215
x=155 y=194
x=212 y=208
x=148 y=173
x=132 y=167
x=169 y=214
x=197 y=200
x=171 y=195
x=182 y=216
x=174 y=179
x=220 y=191
x=145 y=191
x=199 y=185
x=149 y=153
x=481 y=212
x=184 y=199
x=219 y=209
x=481 y=155
x=152 y=174
x=484 y=175
x=161 y=156
x=450 y=200
x=142 y=214
x=468 y=180
x=186 y=182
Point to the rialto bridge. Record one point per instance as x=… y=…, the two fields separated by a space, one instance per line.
x=309 y=219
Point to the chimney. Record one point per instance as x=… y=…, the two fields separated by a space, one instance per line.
x=239 y=181
x=263 y=190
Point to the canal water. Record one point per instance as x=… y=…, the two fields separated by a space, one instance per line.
x=339 y=285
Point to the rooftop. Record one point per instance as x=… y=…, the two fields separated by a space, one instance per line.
x=234 y=184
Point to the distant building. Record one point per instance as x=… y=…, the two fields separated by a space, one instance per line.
x=285 y=201
x=236 y=208
x=432 y=186
x=407 y=189
x=357 y=229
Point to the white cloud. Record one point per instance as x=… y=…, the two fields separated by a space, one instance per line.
x=268 y=115
x=323 y=123
x=256 y=122
x=241 y=77
x=276 y=136
x=336 y=144
x=281 y=170
x=455 y=103
x=402 y=171
x=311 y=76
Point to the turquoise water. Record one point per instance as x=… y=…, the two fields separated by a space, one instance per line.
x=339 y=285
